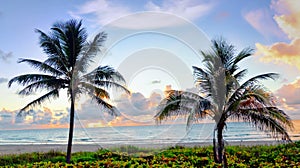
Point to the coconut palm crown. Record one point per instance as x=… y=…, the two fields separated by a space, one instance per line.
x=223 y=96
x=69 y=55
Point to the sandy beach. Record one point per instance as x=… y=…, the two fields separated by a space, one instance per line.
x=17 y=149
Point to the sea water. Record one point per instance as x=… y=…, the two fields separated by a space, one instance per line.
x=133 y=135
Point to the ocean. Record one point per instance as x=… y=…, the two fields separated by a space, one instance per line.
x=134 y=135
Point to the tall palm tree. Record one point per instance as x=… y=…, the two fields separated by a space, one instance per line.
x=223 y=98
x=69 y=56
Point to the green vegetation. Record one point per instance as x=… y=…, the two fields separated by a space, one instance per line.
x=285 y=155
x=134 y=151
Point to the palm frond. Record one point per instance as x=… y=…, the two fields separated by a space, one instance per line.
x=269 y=119
x=50 y=44
x=110 y=84
x=245 y=53
x=254 y=96
x=224 y=51
x=52 y=47
x=29 y=78
x=179 y=103
x=58 y=31
x=106 y=76
x=240 y=75
x=105 y=73
x=281 y=116
x=75 y=40
x=99 y=92
x=59 y=63
x=258 y=78
x=172 y=105
x=44 y=67
x=72 y=39
x=249 y=84
x=256 y=106
x=48 y=84
x=110 y=108
x=202 y=79
x=89 y=51
x=52 y=94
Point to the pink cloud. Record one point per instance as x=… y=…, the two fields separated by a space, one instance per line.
x=290 y=93
x=280 y=53
x=288 y=17
x=262 y=21
x=289 y=99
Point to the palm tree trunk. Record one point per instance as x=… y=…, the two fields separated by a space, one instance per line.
x=214 y=147
x=221 y=151
x=71 y=128
x=220 y=145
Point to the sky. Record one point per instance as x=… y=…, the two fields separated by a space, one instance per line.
x=153 y=44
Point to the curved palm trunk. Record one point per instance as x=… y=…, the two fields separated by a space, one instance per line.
x=71 y=128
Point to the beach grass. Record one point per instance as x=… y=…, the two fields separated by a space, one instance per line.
x=282 y=155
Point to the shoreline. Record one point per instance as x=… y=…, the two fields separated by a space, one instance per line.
x=29 y=148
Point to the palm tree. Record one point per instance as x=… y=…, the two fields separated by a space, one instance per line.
x=222 y=97
x=69 y=56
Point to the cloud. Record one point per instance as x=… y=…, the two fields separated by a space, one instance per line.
x=148 y=20
x=91 y=112
x=5 y=56
x=134 y=109
x=7 y=118
x=262 y=21
x=124 y=121
x=3 y=80
x=290 y=93
x=280 y=52
x=189 y=9
x=44 y=118
x=156 y=82
x=288 y=19
x=138 y=108
x=293 y=110
x=104 y=12
x=289 y=99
